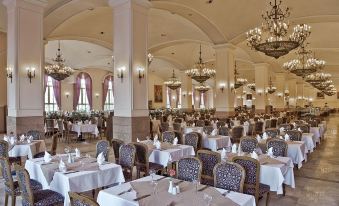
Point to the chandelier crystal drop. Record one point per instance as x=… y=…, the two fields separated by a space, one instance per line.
x=238 y=81
x=202 y=88
x=251 y=86
x=271 y=89
x=58 y=71
x=317 y=77
x=173 y=82
x=272 y=38
x=200 y=72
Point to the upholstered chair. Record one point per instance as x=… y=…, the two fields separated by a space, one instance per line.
x=189 y=169
x=200 y=123
x=208 y=159
x=272 y=132
x=237 y=133
x=294 y=135
x=102 y=147
x=248 y=144
x=304 y=128
x=69 y=135
x=229 y=176
x=32 y=197
x=252 y=185
x=4 y=153
x=164 y=126
x=127 y=159
x=53 y=147
x=258 y=127
x=116 y=143
x=81 y=200
x=224 y=131
x=274 y=123
x=177 y=127
x=34 y=133
x=208 y=129
x=178 y=120
x=220 y=124
x=286 y=126
x=279 y=147
x=192 y=139
x=168 y=136
x=12 y=187
x=50 y=130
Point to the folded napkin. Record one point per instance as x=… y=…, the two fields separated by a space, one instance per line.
x=77 y=152
x=223 y=154
x=270 y=152
x=30 y=139
x=214 y=132
x=287 y=137
x=193 y=124
x=234 y=148
x=183 y=124
x=155 y=138
x=258 y=138
x=22 y=138
x=175 y=141
x=246 y=123
x=6 y=138
x=47 y=157
x=100 y=158
x=204 y=135
x=280 y=137
x=254 y=155
x=158 y=144
x=299 y=129
x=294 y=124
x=138 y=140
x=282 y=129
x=12 y=140
x=264 y=136
x=62 y=166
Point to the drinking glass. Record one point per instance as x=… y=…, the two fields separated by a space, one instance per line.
x=152 y=174
x=207 y=199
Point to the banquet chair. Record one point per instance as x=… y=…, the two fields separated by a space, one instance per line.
x=102 y=146
x=220 y=124
x=295 y=135
x=258 y=127
x=168 y=136
x=208 y=129
x=272 y=132
x=286 y=126
x=32 y=197
x=284 y=120
x=279 y=147
x=34 y=133
x=177 y=126
x=164 y=126
x=237 y=133
x=69 y=134
x=4 y=153
x=178 y=120
x=224 y=131
x=127 y=160
x=141 y=160
x=116 y=143
x=61 y=129
x=252 y=185
x=248 y=144
x=192 y=139
x=200 y=123
x=189 y=169
x=50 y=130
x=274 y=123
x=81 y=200
x=207 y=122
x=304 y=128
x=178 y=135
x=53 y=147
x=250 y=131
x=208 y=159
x=229 y=176
x=11 y=186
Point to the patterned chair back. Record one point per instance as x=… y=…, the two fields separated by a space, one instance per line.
x=102 y=147
x=229 y=176
x=189 y=122
x=304 y=128
x=50 y=124
x=267 y=123
x=81 y=200
x=6 y=173
x=164 y=126
x=127 y=156
x=178 y=120
x=141 y=157
x=284 y=120
x=116 y=143
x=272 y=132
x=295 y=135
x=248 y=144
x=286 y=126
x=200 y=123
x=313 y=123
x=279 y=121
x=220 y=124
x=208 y=129
x=168 y=136
x=192 y=139
x=61 y=126
x=298 y=121
x=208 y=159
x=258 y=126
x=224 y=131
x=34 y=133
x=24 y=185
x=177 y=126
x=252 y=170
x=237 y=133
x=3 y=148
x=189 y=169
x=279 y=147
x=274 y=123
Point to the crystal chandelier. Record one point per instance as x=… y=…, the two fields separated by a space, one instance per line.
x=275 y=31
x=317 y=78
x=149 y=58
x=251 y=86
x=271 y=89
x=173 y=82
x=238 y=82
x=202 y=88
x=305 y=63
x=200 y=72
x=330 y=91
x=58 y=71
x=324 y=85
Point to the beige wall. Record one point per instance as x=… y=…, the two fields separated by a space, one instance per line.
x=155 y=80
x=331 y=101
x=3 y=80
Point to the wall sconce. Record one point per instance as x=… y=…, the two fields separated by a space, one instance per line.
x=30 y=73
x=279 y=94
x=141 y=72
x=9 y=73
x=121 y=71
x=232 y=87
x=97 y=95
x=67 y=94
x=259 y=91
x=222 y=87
x=184 y=94
x=173 y=97
x=190 y=93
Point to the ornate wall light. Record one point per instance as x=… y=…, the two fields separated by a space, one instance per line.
x=141 y=73
x=67 y=94
x=222 y=87
x=9 y=73
x=30 y=73
x=121 y=71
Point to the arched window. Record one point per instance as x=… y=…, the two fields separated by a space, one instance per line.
x=108 y=94
x=52 y=89
x=83 y=93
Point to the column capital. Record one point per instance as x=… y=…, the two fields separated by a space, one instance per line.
x=227 y=46
x=25 y=3
x=116 y=3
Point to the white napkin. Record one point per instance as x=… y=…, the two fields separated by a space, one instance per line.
x=22 y=138
x=193 y=124
x=214 y=132
x=223 y=153
x=175 y=141
x=138 y=140
x=254 y=155
x=12 y=140
x=77 y=152
x=204 y=135
x=234 y=148
x=100 y=158
x=86 y=121
x=287 y=137
x=158 y=144
x=282 y=129
x=294 y=124
x=47 y=157
x=183 y=124
x=280 y=137
x=258 y=138
x=155 y=139
x=62 y=166
x=6 y=138
x=264 y=136
x=270 y=151
x=246 y=123
x=299 y=129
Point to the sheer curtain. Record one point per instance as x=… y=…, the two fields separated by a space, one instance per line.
x=88 y=82
x=76 y=91
x=105 y=89
x=57 y=91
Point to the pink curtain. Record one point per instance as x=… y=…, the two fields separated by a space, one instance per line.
x=105 y=89
x=57 y=91
x=88 y=83
x=178 y=96
x=76 y=91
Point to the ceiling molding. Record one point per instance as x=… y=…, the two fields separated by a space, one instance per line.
x=163 y=45
x=99 y=42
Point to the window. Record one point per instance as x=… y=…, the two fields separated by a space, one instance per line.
x=50 y=101
x=202 y=101
x=83 y=104
x=168 y=98
x=179 y=99
x=109 y=102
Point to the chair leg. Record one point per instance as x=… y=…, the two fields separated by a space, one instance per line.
x=13 y=200
x=268 y=198
x=6 y=199
x=284 y=189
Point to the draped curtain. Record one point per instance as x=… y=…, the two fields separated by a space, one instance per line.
x=57 y=91
x=88 y=83
x=76 y=92
x=105 y=89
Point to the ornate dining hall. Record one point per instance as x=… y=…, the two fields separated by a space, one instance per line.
x=169 y=102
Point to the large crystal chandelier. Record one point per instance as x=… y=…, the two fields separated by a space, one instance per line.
x=317 y=78
x=173 y=82
x=200 y=72
x=58 y=71
x=330 y=91
x=202 y=88
x=271 y=89
x=305 y=63
x=238 y=81
x=251 y=86
x=274 y=30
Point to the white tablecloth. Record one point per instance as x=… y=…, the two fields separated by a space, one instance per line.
x=316 y=133
x=82 y=181
x=109 y=196
x=27 y=149
x=216 y=142
x=310 y=141
x=85 y=128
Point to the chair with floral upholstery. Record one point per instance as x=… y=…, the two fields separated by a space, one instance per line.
x=189 y=169
x=53 y=147
x=248 y=144
x=237 y=133
x=279 y=147
x=164 y=126
x=141 y=160
x=208 y=129
x=11 y=186
x=177 y=127
x=208 y=159
x=168 y=136
x=200 y=123
x=295 y=135
x=32 y=197
x=252 y=185
x=229 y=176
x=4 y=153
x=127 y=159
x=81 y=200
x=304 y=128
x=220 y=124
x=34 y=133
x=192 y=139
x=102 y=147
x=272 y=132
x=224 y=131
x=116 y=143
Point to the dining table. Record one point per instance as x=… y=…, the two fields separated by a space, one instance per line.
x=216 y=142
x=25 y=148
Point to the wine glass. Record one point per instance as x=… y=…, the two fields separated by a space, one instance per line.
x=67 y=149
x=207 y=199
x=196 y=184
x=152 y=174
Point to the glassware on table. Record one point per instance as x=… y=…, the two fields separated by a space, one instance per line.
x=196 y=184
x=207 y=199
x=67 y=149
x=152 y=174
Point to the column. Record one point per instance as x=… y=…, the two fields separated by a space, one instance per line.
x=25 y=50
x=261 y=82
x=224 y=80
x=279 y=94
x=130 y=119
x=3 y=81
x=186 y=89
x=292 y=88
x=300 y=94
